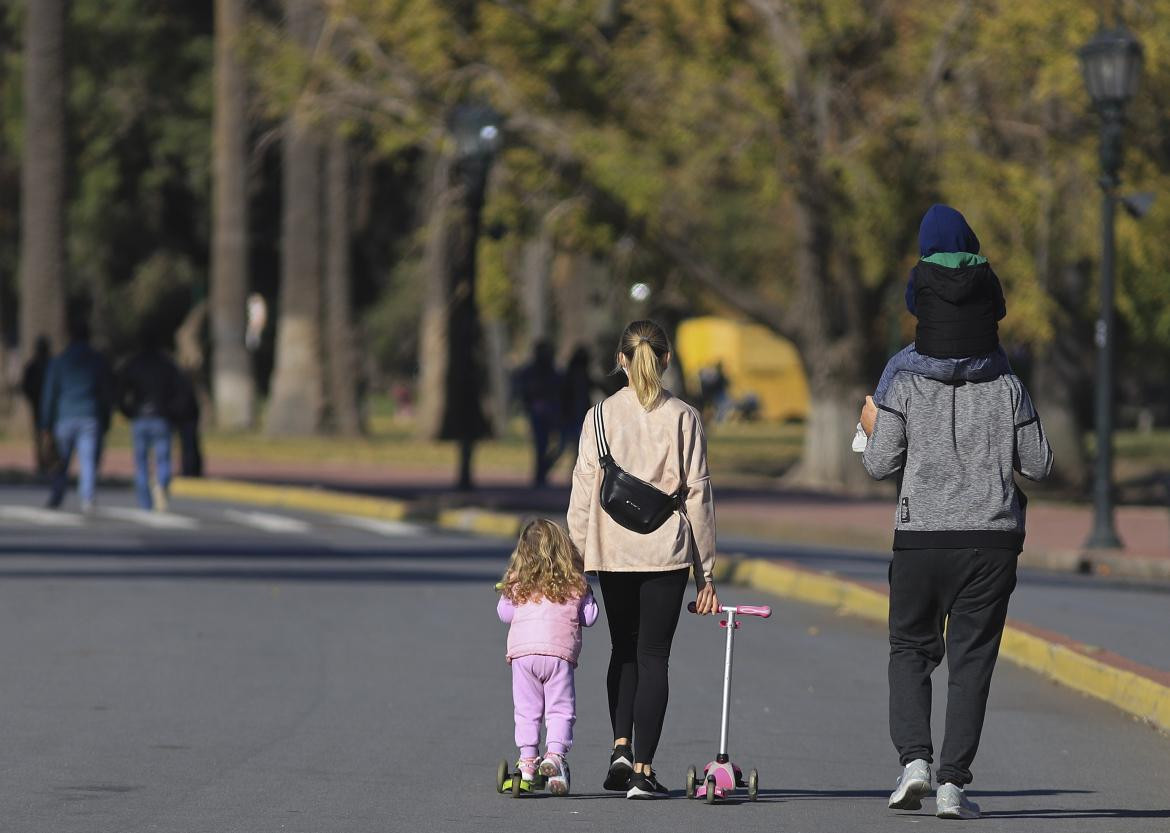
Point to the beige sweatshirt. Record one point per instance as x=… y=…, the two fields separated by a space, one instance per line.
x=665 y=447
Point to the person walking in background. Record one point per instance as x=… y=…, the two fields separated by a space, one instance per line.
x=546 y=600
x=955 y=433
x=185 y=414
x=75 y=412
x=32 y=385
x=658 y=438
x=540 y=391
x=577 y=387
x=148 y=387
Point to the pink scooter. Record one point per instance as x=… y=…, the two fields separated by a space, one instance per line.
x=721 y=777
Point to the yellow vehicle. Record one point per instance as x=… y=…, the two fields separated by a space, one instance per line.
x=756 y=362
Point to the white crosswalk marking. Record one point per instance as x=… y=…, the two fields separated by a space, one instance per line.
x=40 y=517
x=146 y=517
x=268 y=522
x=391 y=529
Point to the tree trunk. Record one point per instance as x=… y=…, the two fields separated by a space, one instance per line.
x=42 y=227
x=1063 y=375
x=232 y=385
x=830 y=328
x=433 y=328
x=343 y=384
x=536 y=258
x=570 y=286
x=296 y=406
x=495 y=345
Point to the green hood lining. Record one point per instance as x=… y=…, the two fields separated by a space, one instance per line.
x=955 y=260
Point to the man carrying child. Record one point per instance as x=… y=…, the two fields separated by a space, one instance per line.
x=954 y=424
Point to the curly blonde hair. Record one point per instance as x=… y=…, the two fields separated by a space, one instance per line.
x=544 y=565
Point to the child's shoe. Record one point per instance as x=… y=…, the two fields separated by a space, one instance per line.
x=555 y=768
x=528 y=767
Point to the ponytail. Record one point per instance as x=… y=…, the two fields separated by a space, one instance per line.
x=645 y=346
x=644 y=375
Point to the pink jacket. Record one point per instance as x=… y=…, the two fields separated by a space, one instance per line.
x=547 y=628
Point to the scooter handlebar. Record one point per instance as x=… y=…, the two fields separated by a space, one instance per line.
x=763 y=611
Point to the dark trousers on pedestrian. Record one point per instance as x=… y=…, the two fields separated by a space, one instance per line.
x=190 y=454
x=543 y=428
x=951 y=601
x=642 y=610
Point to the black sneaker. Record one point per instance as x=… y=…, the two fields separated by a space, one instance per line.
x=621 y=767
x=645 y=785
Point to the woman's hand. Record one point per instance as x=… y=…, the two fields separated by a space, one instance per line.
x=707 y=601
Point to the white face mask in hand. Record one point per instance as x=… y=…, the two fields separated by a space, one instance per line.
x=859 y=439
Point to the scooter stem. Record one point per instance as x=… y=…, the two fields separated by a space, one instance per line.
x=726 y=685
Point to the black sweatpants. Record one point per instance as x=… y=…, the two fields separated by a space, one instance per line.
x=966 y=591
x=642 y=610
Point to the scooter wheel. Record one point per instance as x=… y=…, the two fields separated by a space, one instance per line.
x=710 y=791
x=517 y=783
x=753 y=785
x=501 y=775
x=692 y=776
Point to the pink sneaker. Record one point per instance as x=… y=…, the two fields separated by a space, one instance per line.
x=528 y=767
x=555 y=768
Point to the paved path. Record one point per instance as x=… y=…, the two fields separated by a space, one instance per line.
x=1122 y=615
x=253 y=676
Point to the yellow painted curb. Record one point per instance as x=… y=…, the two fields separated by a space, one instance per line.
x=288 y=497
x=1127 y=690
x=496 y=524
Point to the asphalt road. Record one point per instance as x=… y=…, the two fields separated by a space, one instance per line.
x=1126 y=616
x=256 y=671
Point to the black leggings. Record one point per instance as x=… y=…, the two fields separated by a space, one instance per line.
x=642 y=610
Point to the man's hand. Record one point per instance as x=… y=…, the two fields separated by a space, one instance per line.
x=868 y=416
x=707 y=602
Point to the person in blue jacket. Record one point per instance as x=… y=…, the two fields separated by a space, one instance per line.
x=75 y=411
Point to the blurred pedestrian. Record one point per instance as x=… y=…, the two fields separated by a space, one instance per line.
x=32 y=385
x=184 y=412
x=540 y=391
x=75 y=412
x=955 y=441
x=713 y=390
x=577 y=388
x=148 y=388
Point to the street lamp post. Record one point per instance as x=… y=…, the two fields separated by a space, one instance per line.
x=1111 y=63
x=475 y=129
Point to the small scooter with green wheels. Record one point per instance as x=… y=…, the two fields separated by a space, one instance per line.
x=721 y=777
x=509 y=780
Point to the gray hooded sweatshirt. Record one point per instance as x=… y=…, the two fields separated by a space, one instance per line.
x=955 y=445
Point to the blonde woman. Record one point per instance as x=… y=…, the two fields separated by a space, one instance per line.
x=659 y=440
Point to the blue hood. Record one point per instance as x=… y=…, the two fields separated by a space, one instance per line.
x=943 y=229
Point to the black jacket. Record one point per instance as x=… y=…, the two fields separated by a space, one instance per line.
x=149 y=386
x=958 y=310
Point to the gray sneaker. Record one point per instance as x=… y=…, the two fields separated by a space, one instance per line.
x=953 y=803
x=913 y=784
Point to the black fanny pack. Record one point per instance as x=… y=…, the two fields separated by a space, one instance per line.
x=633 y=503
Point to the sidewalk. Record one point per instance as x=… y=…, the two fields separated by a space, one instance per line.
x=1056 y=531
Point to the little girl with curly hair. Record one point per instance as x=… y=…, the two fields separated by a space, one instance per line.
x=545 y=599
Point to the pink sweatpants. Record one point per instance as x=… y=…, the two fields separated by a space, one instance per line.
x=542 y=687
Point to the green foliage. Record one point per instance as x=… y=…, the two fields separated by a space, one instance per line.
x=698 y=121
x=139 y=110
